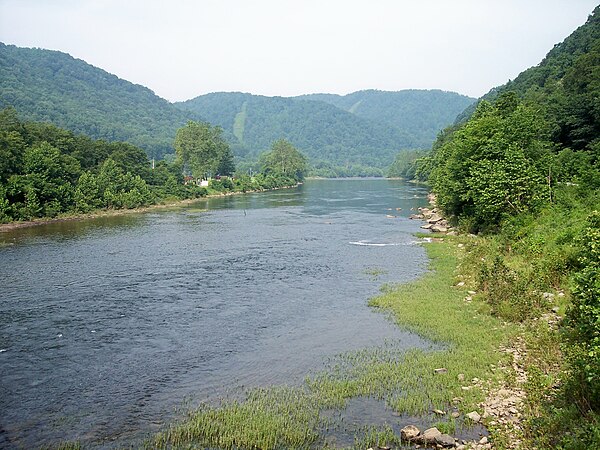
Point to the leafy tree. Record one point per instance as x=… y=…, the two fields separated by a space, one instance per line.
x=494 y=165
x=584 y=316
x=284 y=159
x=200 y=148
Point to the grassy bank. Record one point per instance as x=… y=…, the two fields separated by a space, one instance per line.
x=466 y=345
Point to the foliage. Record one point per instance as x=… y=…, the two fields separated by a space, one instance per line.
x=405 y=164
x=419 y=113
x=285 y=160
x=493 y=166
x=584 y=316
x=202 y=150
x=50 y=86
x=319 y=129
x=48 y=171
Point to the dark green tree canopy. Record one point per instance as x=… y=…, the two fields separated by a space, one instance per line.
x=284 y=159
x=202 y=149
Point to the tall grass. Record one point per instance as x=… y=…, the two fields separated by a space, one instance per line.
x=465 y=342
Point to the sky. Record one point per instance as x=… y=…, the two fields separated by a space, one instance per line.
x=184 y=48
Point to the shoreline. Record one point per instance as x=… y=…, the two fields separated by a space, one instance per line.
x=6 y=227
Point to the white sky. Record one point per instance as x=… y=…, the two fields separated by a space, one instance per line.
x=184 y=48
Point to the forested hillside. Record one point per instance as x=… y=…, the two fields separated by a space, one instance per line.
x=52 y=86
x=523 y=171
x=322 y=131
x=419 y=113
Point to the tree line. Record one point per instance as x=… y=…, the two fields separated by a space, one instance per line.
x=522 y=170
x=46 y=171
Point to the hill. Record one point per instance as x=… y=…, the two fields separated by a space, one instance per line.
x=523 y=172
x=51 y=86
x=419 y=113
x=560 y=64
x=320 y=130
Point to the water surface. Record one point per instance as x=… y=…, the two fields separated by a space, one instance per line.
x=107 y=326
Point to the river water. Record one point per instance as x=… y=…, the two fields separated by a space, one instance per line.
x=109 y=326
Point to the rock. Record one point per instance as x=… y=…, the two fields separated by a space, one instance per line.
x=435 y=218
x=416 y=216
x=456 y=414
x=471 y=292
x=445 y=440
x=439 y=412
x=398 y=209
x=474 y=416
x=409 y=432
x=430 y=435
x=452 y=233
x=441 y=370
x=483 y=440
x=427 y=226
x=555 y=310
x=437 y=228
x=461 y=283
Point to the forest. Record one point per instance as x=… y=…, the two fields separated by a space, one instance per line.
x=46 y=171
x=521 y=170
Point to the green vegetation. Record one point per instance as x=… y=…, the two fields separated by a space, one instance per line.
x=419 y=113
x=285 y=417
x=202 y=151
x=284 y=160
x=321 y=131
x=46 y=171
x=338 y=139
x=523 y=171
x=51 y=86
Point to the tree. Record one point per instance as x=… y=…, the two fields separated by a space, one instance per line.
x=284 y=159
x=200 y=148
x=494 y=165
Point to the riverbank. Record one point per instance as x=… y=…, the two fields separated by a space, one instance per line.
x=444 y=387
x=5 y=227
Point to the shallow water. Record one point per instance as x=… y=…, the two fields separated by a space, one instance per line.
x=107 y=326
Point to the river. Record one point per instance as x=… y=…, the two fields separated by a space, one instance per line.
x=109 y=326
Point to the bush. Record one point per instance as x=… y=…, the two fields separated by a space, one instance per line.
x=583 y=317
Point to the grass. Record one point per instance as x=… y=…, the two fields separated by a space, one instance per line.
x=465 y=342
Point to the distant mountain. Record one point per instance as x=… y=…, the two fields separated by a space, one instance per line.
x=367 y=127
x=52 y=86
x=419 y=113
x=320 y=130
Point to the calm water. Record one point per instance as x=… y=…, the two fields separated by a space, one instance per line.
x=107 y=326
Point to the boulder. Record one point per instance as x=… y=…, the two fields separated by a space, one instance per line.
x=427 y=226
x=445 y=440
x=409 y=432
x=474 y=416
x=416 y=216
x=435 y=218
x=429 y=436
x=437 y=228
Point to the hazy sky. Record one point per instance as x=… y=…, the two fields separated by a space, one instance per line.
x=184 y=48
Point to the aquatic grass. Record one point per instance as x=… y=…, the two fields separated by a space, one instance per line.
x=465 y=344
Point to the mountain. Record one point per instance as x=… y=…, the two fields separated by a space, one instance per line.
x=559 y=65
x=320 y=130
x=419 y=113
x=52 y=86
x=367 y=127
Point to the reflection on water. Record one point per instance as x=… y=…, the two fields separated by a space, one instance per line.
x=108 y=325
